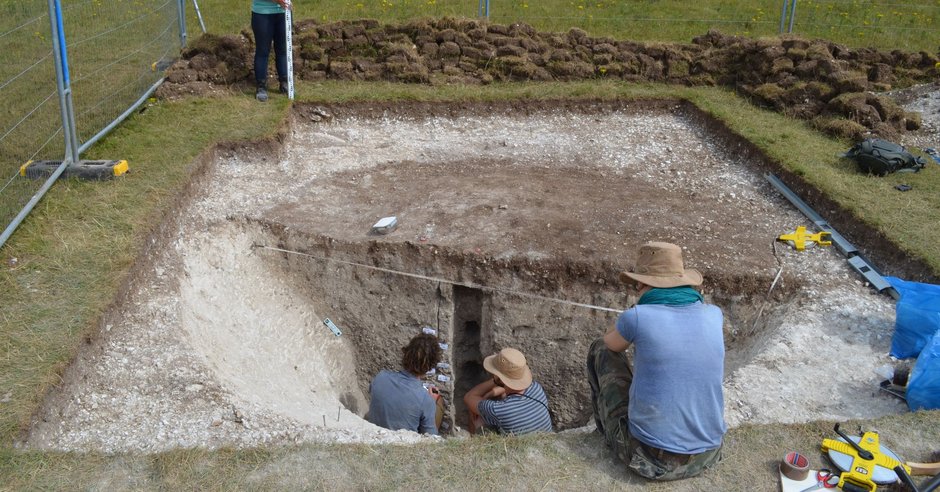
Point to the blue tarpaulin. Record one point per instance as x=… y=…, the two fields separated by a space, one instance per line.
x=923 y=387
x=918 y=317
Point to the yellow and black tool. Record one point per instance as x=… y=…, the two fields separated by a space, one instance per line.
x=862 y=459
x=799 y=238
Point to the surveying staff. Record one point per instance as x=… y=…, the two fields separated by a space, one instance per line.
x=511 y=402
x=399 y=399
x=664 y=417
x=268 y=25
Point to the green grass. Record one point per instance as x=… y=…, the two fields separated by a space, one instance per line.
x=535 y=462
x=886 y=24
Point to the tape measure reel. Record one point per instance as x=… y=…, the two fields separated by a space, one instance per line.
x=864 y=462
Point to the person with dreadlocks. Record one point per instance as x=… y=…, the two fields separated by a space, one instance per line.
x=398 y=398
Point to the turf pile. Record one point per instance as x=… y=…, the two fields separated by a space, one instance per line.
x=831 y=85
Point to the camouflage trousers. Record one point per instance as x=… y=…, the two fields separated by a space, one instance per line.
x=610 y=377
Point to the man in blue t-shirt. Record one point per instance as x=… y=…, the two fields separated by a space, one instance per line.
x=399 y=400
x=511 y=402
x=664 y=416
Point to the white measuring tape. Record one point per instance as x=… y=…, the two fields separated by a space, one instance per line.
x=444 y=281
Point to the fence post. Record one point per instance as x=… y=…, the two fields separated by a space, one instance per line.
x=783 y=15
x=792 y=14
x=181 y=9
x=62 y=80
x=483 y=9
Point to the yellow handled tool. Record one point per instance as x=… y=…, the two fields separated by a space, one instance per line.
x=799 y=239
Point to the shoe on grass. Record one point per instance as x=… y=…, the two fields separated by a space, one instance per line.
x=282 y=87
x=261 y=94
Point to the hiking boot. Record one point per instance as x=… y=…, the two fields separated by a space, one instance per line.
x=261 y=94
x=282 y=87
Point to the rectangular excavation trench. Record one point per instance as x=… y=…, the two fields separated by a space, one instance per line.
x=547 y=201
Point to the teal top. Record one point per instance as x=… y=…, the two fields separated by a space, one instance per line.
x=266 y=7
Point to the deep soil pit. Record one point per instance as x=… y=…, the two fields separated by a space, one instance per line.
x=481 y=206
x=222 y=343
x=380 y=311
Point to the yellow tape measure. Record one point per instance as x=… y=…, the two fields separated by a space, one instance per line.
x=861 y=461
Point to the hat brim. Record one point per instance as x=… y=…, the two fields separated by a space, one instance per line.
x=515 y=384
x=690 y=276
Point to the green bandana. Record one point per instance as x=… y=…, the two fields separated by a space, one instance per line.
x=674 y=296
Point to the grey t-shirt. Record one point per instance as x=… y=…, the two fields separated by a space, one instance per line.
x=676 y=400
x=400 y=401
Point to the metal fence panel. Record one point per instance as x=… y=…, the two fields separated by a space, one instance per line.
x=116 y=50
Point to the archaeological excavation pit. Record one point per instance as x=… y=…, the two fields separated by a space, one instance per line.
x=514 y=223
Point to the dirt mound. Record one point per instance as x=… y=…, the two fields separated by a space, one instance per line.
x=829 y=84
x=209 y=65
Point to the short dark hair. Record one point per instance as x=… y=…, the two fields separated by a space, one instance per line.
x=421 y=354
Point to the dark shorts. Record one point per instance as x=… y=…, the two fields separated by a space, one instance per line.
x=610 y=376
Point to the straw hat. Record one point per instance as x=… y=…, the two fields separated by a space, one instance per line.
x=510 y=365
x=660 y=265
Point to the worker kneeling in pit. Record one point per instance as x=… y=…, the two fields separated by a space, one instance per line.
x=399 y=399
x=664 y=416
x=511 y=402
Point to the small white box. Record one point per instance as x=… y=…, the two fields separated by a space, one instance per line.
x=385 y=225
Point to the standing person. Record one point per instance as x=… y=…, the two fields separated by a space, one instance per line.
x=664 y=416
x=399 y=399
x=267 y=25
x=511 y=402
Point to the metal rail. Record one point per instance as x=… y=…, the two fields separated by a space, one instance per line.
x=856 y=260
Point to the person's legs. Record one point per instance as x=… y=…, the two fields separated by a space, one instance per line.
x=263 y=29
x=280 y=48
x=659 y=465
x=610 y=377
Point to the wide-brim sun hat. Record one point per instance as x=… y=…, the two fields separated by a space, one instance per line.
x=511 y=367
x=660 y=265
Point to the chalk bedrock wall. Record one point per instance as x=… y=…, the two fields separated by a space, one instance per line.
x=380 y=312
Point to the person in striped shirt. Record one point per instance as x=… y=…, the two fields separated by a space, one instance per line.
x=511 y=402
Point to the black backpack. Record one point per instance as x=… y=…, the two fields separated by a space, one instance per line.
x=881 y=157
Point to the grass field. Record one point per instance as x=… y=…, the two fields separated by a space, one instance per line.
x=74 y=252
x=881 y=23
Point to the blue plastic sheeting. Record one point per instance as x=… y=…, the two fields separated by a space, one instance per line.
x=918 y=317
x=923 y=387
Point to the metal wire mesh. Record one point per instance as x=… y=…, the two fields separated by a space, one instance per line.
x=116 y=51
x=31 y=121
